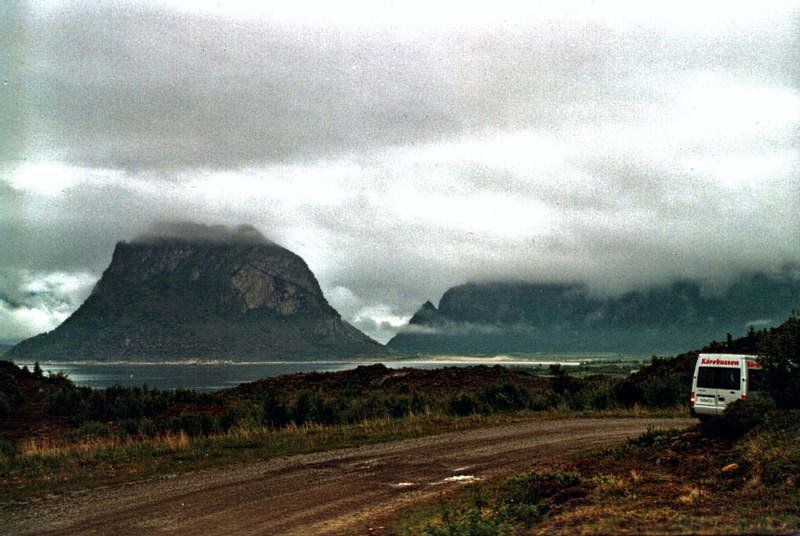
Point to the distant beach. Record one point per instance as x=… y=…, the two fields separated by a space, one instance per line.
x=213 y=375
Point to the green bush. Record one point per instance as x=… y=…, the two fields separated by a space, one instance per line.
x=275 y=412
x=8 y=448
x=665 y=392
x=654 y=437
x=533 y=486
x=93 y=429
x=781 y=347
x=542 y=401
x=70 y=402
x=5 y=407
x=561 y=382
x=468 y=521
x=739 y=418
x=462 y=404
x=503 y=397
x=601 y=398
x=628 y=392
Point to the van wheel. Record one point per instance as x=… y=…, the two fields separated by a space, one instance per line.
x=703 y=418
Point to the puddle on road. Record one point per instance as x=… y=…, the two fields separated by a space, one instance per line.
x=448 y=480
x=455 y=478
x=460 y=478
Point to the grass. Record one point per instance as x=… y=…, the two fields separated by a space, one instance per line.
x=47 y=466
x=672 y=482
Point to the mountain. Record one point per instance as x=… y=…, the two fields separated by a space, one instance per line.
x=212 y=297
x=521 y=317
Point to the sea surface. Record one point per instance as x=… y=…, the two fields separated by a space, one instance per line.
x=216 y=375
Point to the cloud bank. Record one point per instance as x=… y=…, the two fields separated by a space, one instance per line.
x=198 y=232
x=617 y=147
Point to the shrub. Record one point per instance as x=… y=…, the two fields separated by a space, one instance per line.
x=739 y=418
x=5 y=407
x=193 y=425
x=70 y=402
x=601 y=398
x=8 y=448
x=561 y=382
x=782 y=363
x=542 y=401
x=628 y=392
x=503 y=397
x=275 y=412
x=93 y=429
x=462 y=404
x=533 y=486
x=468 y=521
x=664 y=392
x=654 y=438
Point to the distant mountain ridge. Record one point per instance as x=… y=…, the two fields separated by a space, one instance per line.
x=553 y=317
x=211 y=298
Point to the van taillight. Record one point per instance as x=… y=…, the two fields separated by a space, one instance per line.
x=691 y=398
x=744 y=397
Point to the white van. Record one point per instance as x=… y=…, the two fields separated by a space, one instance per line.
x=719 y=379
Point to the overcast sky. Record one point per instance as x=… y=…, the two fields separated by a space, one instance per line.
x=400 y=150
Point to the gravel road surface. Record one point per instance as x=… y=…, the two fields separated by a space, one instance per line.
x=345 y=491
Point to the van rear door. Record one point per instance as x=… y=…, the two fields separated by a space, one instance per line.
x=729 y=385
x=706 y=387
x=718 y=386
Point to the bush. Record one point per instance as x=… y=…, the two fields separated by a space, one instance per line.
x=600 y=398
x=534 y=486
x=561 y=382
x=70 y=402
x=93 y=429
x=503 y=397
x=542 y=401
x=462 y=404
x=665 y=392
x=782 y=363
x=654 y=437
x=628 y=392
x=275 y=412
x=5 y=407
x=8 y=448
x=470 y=521
x=739 y=418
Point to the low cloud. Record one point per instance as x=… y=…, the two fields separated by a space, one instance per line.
x=32 y=303
x=619 y=149
x=198 y=232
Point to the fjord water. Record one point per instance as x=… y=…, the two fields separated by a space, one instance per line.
x=213 y=376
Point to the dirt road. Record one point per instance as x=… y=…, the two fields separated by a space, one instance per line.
x=345 y=491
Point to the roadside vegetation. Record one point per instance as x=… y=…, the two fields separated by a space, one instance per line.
x=56 y=436
x=734 y=474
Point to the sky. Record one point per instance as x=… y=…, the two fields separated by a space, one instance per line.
x=400 y=148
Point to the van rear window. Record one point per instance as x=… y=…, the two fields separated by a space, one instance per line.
x=719 y=378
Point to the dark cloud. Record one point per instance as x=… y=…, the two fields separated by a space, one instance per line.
x=140 y=88
x=198 y=232
x=397 y=162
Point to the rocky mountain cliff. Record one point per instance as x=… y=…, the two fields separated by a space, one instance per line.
x=202 y=297
x=529 y=317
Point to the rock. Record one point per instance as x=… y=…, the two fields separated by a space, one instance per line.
x=730 y=468
x=202 y=298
